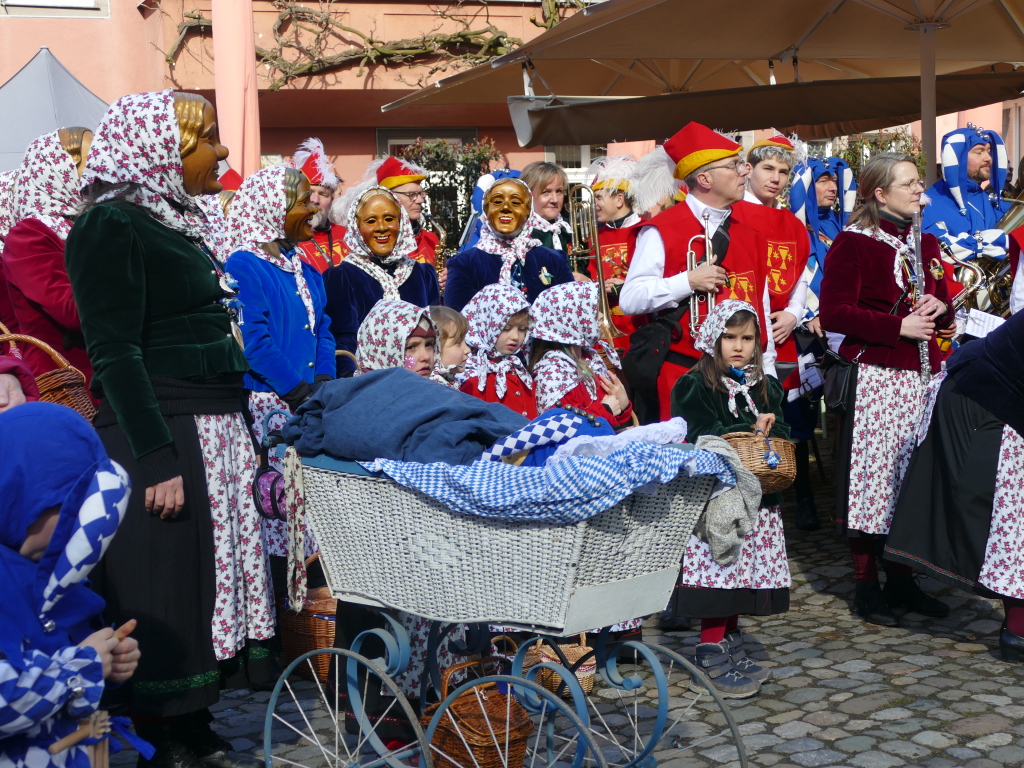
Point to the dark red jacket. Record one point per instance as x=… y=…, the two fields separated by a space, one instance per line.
x=19 y=370
x=40 y=292
x=858 y=290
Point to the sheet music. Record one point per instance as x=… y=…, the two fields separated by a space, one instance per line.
x=981 y=324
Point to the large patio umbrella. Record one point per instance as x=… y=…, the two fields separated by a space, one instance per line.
x=818 y=110
x=840 y=34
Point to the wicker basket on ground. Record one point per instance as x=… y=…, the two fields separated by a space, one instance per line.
x=310 y=629
x=753 y=448
x=541 y=652
x=482 y=728
x=65 y=385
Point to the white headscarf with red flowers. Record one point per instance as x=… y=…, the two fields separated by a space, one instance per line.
x=382 y=336
x=510 y=249
x=488 y=313
x=138 y=142
x=361 y=256
x=6 y=204
x=257 y=216
x=47 y=186
x=707 y=337
x=568 y=314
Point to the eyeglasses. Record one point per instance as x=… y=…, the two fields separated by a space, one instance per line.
x=414 y=196
x=910 y=186
x=736 y=166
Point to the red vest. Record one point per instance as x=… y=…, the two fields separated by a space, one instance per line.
x=788 y=249
x=426 y=247
x=323 y=252
x=615 y=261
x=744 y=263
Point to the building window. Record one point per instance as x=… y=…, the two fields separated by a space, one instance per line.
x=571 y=156
x=91 y=9
x=390 y=141
x=50 y=3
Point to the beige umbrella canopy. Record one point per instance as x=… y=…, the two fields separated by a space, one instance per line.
x=688 y=45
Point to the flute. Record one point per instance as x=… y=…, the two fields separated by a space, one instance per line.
x=922 y=346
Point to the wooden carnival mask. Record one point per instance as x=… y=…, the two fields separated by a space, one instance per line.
x=298 y=221
x=76 y=141
x=379 y=219
x=201 y=150
x=508 y=205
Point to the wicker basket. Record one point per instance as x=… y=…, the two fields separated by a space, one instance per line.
x=481 y=728
x=542 y=652
x=310 y=629
x=65 y=385
x=751 y=446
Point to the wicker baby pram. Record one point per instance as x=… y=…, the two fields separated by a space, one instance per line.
x=64 y=385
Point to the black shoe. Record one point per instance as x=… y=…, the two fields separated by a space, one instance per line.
x=904 y=592
x=171 y=750
x=211 y=750
x=1011 y=646
x=669 y=623
x=871 y=605
x=807 y=515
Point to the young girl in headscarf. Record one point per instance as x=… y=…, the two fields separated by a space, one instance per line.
x=378 y=266
x=728 y=391
x=61 y=502
x=397 y=334
x=507 y=252
x=452 y=327
x=46 y=200
x=566 y=368
x=499 y=328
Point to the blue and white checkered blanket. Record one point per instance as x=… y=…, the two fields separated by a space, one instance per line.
x=565 y=492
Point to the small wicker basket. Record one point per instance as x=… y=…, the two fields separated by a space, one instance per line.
x=64 y=385
x=482 y=728
x=311 y=629
x=541 y=652
x=752 y=447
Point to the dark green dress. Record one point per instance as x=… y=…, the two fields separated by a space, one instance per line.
x=757 y=583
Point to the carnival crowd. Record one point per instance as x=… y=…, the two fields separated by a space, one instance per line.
x=205 y=309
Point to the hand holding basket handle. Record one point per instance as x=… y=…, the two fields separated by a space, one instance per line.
x=764 y=424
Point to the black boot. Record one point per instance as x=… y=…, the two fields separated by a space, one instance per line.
x=806 y=511
x=171 y=749
x=904 y=592
x=1011 y=646
x=211 y=750
x=871 y=605
x=669 y=622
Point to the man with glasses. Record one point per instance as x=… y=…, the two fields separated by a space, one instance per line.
x=404 y=180
x=659 y=284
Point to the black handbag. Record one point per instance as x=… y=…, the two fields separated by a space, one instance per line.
x=268 y=484
x=840 y=378
x=648 y=348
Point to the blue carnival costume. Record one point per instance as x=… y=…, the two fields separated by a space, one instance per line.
x=961 y=213
x=50 y=457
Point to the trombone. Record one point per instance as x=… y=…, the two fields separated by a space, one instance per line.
x=585 y=245
x=699 y=298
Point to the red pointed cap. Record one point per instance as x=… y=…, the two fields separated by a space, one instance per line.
x=394 y=173
x=231 y=179
x=696 y=145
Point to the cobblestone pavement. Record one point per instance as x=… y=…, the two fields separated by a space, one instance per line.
x=929 y=693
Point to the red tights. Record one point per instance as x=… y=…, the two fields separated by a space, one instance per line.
x=715 y=630
x=1014 y=610
x=864 y=551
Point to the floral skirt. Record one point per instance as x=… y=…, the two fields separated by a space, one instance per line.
x=243 y=607
x=761 y=564
x=886 y=410
x=275 y=532
x=1003 y=568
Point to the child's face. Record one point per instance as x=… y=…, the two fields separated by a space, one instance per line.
x=455 y=353
x=512 y=337
x=39 y=535
x=738 y=344
x=419 y=354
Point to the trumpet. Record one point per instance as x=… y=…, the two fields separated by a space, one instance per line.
x=585 y=245
x=696 y=299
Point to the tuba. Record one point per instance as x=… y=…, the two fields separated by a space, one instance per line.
x=699 y=299
x=585 y=245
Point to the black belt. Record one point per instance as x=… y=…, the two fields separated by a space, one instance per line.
x=678 y=358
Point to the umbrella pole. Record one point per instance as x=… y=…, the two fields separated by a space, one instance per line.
x=927 y=39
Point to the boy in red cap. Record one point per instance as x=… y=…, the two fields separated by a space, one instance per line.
x=660 y=286
x=327 y=248
x=404 y=180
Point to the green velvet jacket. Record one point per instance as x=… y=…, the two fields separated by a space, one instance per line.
x=707 y=412
x=148 y=298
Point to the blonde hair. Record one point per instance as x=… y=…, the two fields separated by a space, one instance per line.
x=71 y=140
x=189 y=108
x=451 y=323
x=879 y=172
x=539 y=174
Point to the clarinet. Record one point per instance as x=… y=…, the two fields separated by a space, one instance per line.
x=922 y=346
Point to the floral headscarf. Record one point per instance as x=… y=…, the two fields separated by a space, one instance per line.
x=217 y=238
x=558 y=229
x=138 y=141
x=383 y=334
x=361 y=256
x=6 y=204
x=257 y=216
x=710 y=331
x=47 y=185
x=488 y=313
x=512 y=250
x=568 y=314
